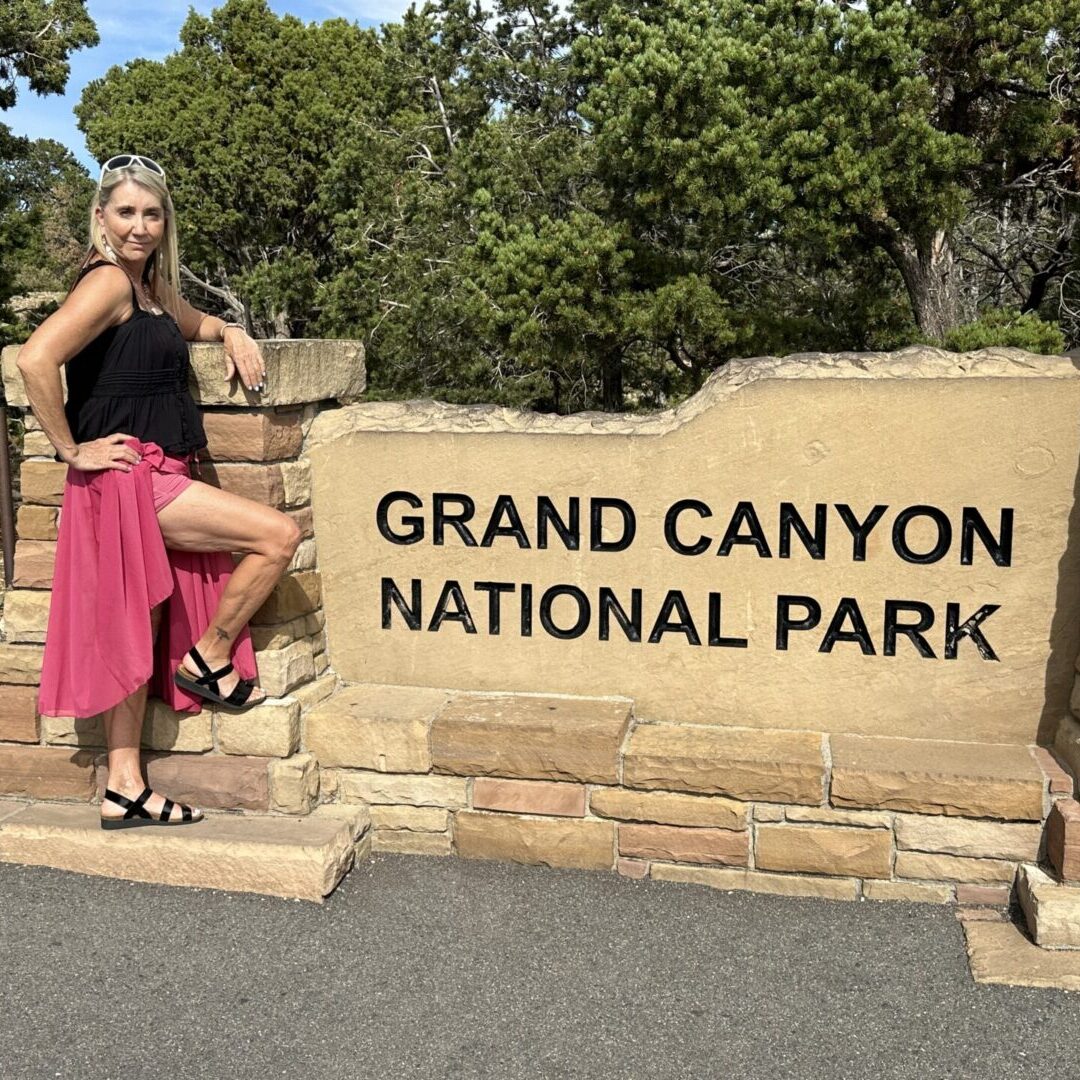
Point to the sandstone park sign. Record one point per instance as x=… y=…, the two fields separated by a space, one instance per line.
x=870 y=543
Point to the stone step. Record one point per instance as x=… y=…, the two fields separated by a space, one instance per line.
x=300 y=858
x=1051 y=908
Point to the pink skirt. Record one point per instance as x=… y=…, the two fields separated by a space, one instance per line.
x=112 y=567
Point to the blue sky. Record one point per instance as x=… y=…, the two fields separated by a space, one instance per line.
x=130 y=30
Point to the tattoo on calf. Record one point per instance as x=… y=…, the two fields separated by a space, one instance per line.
x=223 y=634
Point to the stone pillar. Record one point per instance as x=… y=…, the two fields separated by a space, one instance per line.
x=246 y=761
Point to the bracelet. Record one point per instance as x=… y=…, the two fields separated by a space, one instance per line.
x=225 y=326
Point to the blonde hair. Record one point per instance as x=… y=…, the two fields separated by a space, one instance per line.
x=164 y=262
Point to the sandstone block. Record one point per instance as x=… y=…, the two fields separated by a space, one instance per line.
x=304 y=557
x=37 y=522
x=824 y=815
x=414 y=818
x=766 y=812
x=673 y=843
x=909 y=891
x=279 y=635
x=915 y=864
x=404 y=842
x=298 y=858
x=209 y=781
x=583 y=844
x=631 y=868
x=296 y=479
x=936 y=777
x=46 y=772
x=297 y=371
x=1000 y=952
x=775 y=766
x=530 y=737
x=294 y=783
x=282 y=669
x=294 y=594
x=182 y=732
x=303 y=518
x=252 y=436
x=1051 y=910
x=322 y=663
x=69 y=731
x=991 y=895
x=779 y=884
x=26 y=615
x=1063 y=839
x=42 y=482
x=20 y=664
x=18 y=713
x=36 y=444
x=384 y=728
x=310 y=694
x=835 y=850
x=668 y=808
x=529 y=796
x=374 y=787
x=34 y=560
x=1067 y=744
x=271 y=729
x=261 y=483
x=1058 y=777
x=958 y=836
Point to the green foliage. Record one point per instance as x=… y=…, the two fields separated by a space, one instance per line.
x=1006 y=326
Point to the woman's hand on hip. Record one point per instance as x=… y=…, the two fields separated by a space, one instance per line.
x=109 y=452
x=243 y=357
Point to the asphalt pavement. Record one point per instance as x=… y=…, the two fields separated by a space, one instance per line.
x=442 y=967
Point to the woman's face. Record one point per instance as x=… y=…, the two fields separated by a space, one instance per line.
x=133 y=220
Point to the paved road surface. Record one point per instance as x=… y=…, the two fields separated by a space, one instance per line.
x=428 y=967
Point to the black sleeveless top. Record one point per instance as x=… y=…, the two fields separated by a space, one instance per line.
x=133 y=378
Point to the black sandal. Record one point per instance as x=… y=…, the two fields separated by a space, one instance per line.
x=206 y=685
x=135 y=806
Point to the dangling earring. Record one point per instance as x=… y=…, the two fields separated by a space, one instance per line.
x=109 y=253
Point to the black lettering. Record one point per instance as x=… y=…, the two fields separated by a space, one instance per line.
x=745 y=513
x=791 y=519
x=785 y=623
x=415 y=524
x=494 y=589
x=999 y=547
x=526 y=610
x=860 y=530
x=912 y=631
x=899 y=534
x=410 y=612
x=596 y=524
x=848 y=608
x=955 y=630
x=714 y=626
x=609 y=605
x=674 y=601
x=504 y=505
x=581 y=624
x=441 y=517
x=671 y=520
x=459 y=613
x=569 y=534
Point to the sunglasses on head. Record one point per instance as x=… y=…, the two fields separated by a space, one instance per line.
x=122 y=161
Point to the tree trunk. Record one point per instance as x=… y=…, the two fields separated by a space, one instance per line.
x=611 y=374
x=933 y=279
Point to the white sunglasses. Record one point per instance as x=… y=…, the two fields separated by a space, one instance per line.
x=122 y=161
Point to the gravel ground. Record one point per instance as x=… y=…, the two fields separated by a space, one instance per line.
x=429 y=967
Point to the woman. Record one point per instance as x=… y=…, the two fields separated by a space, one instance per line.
x=135 y=529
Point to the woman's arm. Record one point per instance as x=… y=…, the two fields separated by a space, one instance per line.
x=242 y=354
x=99 y=301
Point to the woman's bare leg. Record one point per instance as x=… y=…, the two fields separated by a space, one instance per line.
x=205 y=518
x=123 y=736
